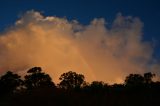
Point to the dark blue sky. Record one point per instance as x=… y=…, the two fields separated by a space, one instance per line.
x=85 y=10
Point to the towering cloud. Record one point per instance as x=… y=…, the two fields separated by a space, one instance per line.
x=98 y=51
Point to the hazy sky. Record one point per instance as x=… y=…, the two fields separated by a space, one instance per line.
x=103 y=39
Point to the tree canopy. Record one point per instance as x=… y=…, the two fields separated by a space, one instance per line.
x=36 y=78
x=9 y=82
x=71 y=80
x=72 y=90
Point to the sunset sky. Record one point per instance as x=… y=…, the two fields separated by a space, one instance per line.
x=102 y=39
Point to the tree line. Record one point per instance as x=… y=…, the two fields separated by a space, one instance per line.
x=37 y=88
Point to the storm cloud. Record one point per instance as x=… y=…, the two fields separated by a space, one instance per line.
x=99 y=51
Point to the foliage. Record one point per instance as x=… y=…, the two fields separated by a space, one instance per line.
x=137 y=80
x=148 y=77
x=71 y=80
x=97 y=85
x=43 y=92
x=134 y=80
x=9 y=82
x=36 y=78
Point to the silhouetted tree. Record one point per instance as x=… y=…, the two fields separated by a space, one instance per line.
x=134 y=80
x=148 y=77
x=117 y=86
x=71 y=80
x=10 y=82
x=36 y=78
x=97 y=85
x=142 y=90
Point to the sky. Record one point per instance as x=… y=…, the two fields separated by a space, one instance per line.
x=122 y=31
x=86 y=10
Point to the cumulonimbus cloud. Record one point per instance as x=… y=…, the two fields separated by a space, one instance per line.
x=59 y=45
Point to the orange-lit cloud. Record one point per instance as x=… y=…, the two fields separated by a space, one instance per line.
x=59 y=45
